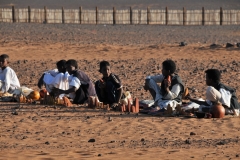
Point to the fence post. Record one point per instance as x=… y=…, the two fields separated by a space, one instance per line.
x=96 y=15
x=114 y=16
x=203 y=16
x=166 y=16
x=221 y=15
x=184 y=16
x=148 y=15
x=13 y=14
x=131 y=15
x=63 y=18
x=80 y=15
x=45 y=14
x=29 y=14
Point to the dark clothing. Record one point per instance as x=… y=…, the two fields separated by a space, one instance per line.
x=86 y=88
x=40 y=81
x=111 y=92
x=234 y=101
x=175 y=79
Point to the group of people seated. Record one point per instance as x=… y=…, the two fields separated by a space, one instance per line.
x=68 y=81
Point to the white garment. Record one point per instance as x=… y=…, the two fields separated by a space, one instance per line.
x=74 y=82
x=53 y=72
x=213 y=95
x=58 y=80
x=22 y=90
x=168 y=98
x=174 y=91
x=223 y=96
x=8 y=80
x=191 y=105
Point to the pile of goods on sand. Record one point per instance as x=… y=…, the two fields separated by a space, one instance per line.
x=128 y=104
x=29 y=96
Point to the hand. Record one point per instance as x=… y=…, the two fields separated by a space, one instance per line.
x=167 y=83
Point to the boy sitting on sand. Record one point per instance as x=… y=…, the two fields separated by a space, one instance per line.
x=8 y=78
x=169 y=94
x=108 y=88
x=80 y=85
x=57 y=78
x=216 y=91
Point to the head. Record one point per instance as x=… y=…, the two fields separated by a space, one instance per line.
x=105 y=68
x=212 y=77
x=168 y=67
x=71 y=66
x=61 y=66
x=4 y=60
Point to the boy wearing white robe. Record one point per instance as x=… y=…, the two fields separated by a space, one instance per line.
x=8 y=78
x=216 y=91
x=170 y=92
x=57 y=78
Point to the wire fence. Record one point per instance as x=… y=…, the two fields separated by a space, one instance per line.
x=127 y=16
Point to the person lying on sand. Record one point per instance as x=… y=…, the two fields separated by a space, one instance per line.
x=169 y=94
x=80 y=85
x=8 y=78
x=109 y=88
x=217 y=91
x=57 y=78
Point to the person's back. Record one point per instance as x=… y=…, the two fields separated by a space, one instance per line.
x=9 y=81
x=86 y=85
x=233 y=103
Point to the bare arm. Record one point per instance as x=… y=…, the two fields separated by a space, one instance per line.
x=120 y=92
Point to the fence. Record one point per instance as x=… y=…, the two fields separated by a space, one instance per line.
x=127 y=16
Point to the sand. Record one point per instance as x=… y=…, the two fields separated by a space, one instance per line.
x=54 y=132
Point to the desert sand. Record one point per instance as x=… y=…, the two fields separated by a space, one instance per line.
x=56 y=132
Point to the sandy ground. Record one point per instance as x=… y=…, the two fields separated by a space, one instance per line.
x=53 y=132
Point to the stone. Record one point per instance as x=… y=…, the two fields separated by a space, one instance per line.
x=192 y=133
x=228 y=45
x=14 y=113
x=188 y=141
x=221 y=143
x=238 y=45
x=92 y=140
x=182 y=43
